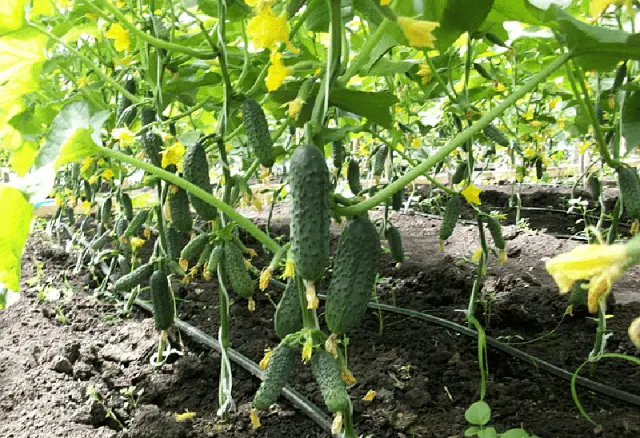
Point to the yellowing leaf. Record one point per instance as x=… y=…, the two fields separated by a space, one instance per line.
x=23 y=157
x=14 y=230
x=22 y=55
x=42 y=7
x=12 y=15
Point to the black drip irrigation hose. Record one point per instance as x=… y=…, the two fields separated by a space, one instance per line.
x=294 y=397
x=519 y=354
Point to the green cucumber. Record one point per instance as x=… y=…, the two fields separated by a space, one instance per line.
x=164 y=309
x=310 y=212
x=125 y=111
x=397 y=199
x=327 y=373
x=353 y=176
x=393 y=236
x=194 y=248
x=236 y=271
x=257 y=130
x=482 y=71
x=629 y=183
x=99 y=242
x=462 y=171
x=179 y=209
x=137 y=222
x=121 y=226
x=288 y=316
x=496 y=232
x=451 y=215
x=337 y=148
x=127 y=206
x=214 y=259
x=495 y=135
x=134 y=278
x=147 y=116
x=595 y=186
x=105 y=213
x=174 y=243
x=152 y=144
x=379 y=159
x=539 y=168
x=196 y=171
x=205 y=255
x=354 y=275
x=279 y=368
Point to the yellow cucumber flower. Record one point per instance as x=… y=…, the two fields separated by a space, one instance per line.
x=266 y=30
x=277 y=72
x=418 y=32
x=265 y=360
x=295 y=106
x=307 y=350
x=173 y=155
x=255 y=419
x=336 y=425
x=265 y=276
x=426 y=73
x=124 y=136
x=136 y=242
x=120 y=37
x=107 y=174
x=289 y=269
x=385 y=2
x=634 y=332
x=369 y=396
x=472 y=194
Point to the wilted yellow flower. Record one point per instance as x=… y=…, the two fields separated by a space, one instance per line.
x=173 y=155
x=502 y=258
x=347 y=377
x=265 y=276
x=307 y=350
x=600 y=286
x=185 y=416
x=277 y=72
x=136 y=242
x=310 y=292
x=251 y=304
x=107 y=174
x=93 y=179
x=331 y=345
x=336 y=425
x=247 y=264
x=472 y=194
x=120 y=37
x=369 y=396
x=295 y=106
x=289 y=269
x=266 y=30
x=83 y=82
x=123 y=135
x=418 y=32
x=184 y=264
x=426 y=73
x=634 y=332
x=268 y=352
x=255 y=419
x=477 y=254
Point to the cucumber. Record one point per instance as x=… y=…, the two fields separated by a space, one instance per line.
x=196 y=171
x=394 y=238
x=257 y=130
x=629 y=183
x=310 y=213
x=105 y=214
x=595 y=186
x=164 y=308
x=578 y=294
x=379 y=159
x=214 y=259
x=354 y=275
x=152 y=144
x=123 y=263
x=205 y=254
x=288 y=316
x=337 y=147
x=175 y=268
x=539 y=168
x=237 y=274
x=482 y=71
x=397 y=199
x=99 y=242
x=137 y=222
x=353 y=176
x=621 y=74
x=71 y=219
x=279 y=368
x=496 y=40
x=121 y=226
x=462 y=171
x=495 y=135
x=451 y=215
x=134 y=278
x=496 y=232
x=327 y=373
x=125 y=111
x=127 y=206
x=174 y=243
x=194 y=248
x=147 y=116
x=179 y=209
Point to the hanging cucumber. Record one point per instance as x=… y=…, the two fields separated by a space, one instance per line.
x=337 y=147
x=125 y=110
x=279 y=368
x=257 y=130
x=397 y=199
x=327 y=373
x=595 y=186
x=629 y=183
x=462 y=172
x=105 y=213
x=379 y=159
x=174 y=243
x=236 y=271
x=194 y=248
x=214 y=259
x=179 y=209
x=451 y=215
x=354 y=275
x=134 y=278
x=310 y=218
x=495 y=135
x=496 y=232
x=127 y=206
x=136 y=223
x=393 y=236
x=288 y=316
x=353 y=176
x=196 y=171
x=162 y=300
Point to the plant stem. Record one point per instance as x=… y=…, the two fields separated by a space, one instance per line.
x=156 y=42
x=456 y=142
x=243 y=222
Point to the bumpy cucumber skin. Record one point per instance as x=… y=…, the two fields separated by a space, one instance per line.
x=196 y=171
x=354 y=275
x=392 y=234
x=98 y=243
x=353 y=176
x=162 y=300
x=147 y=116
x=496 y=232
x=595 y=186
x=539 y=168
x=179 y=209
x=193 y=249
x=152 y=144
x=127 y=206
x=337 y=147
x=379 y=159
x=451 y=215
x=205 y=254
x=257 y=129
x=288 y=316
x=397 y=199
x=121 y=226
x=105 y=215
x=236 y=272
x=214 y=259
x=460 y=173
x=496 y=135
x=136 y=223
x=326 y=372
x=310 y=215
x=174 y=243
x=279 y=368
x=134 y=278
x=125 y=111
x=629 y=183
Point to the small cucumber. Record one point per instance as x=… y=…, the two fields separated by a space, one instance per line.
x=105 y=214
x=164 y=309
x=174 y=243
x=495 y=135
x=327 y=373
x=127 y=206
x=196 y=171
x=337 y=148
x=451 y=215
x=379 y=159
x=629 y=183
x=137 y=222
x=193 y=249
x=179 y=209
x=257 y=130
x=496 y=232
x=353 y=176
x=462 y=171
x=397 y=199
x=288 y=316
x=279 y=368
x=236 y=271
x=393 y=236
x=134 y=278
x=214 y=259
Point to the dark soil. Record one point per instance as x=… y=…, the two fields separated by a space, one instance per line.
x=425 y=376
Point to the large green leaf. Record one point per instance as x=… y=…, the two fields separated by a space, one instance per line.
x=22 y=54
x=14 y=230
x=375 y=106
x=631 y=120
x=460 y=16
x=478 y=413
x=74 y=134
x=512 y=10
x=12 y=15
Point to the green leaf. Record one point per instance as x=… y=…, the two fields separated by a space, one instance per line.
x=375 y=106
x=12 y=15
x=23 y=157
x=631 y=120
x=384 y=67
x=22 y=55
x=74 y=134
x=489 y=432
x=512 y=10
x=478 y=413
x=460 y=17
x=472 y=431
x=14 y=230
x=515 y=433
